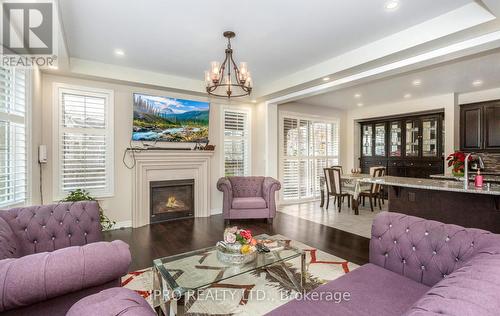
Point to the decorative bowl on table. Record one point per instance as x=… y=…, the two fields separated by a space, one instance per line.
x=237 y=248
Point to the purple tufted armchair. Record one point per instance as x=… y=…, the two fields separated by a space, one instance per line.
x=417 y=267
x=249 y=197
x=53 y=255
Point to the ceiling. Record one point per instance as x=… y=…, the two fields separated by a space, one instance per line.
x=452 y=77
x=277 y=38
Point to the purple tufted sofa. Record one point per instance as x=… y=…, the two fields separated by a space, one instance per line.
x=249 y=197
x=51 y=256
x=417 y=267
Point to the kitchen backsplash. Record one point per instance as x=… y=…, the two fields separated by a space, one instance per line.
x=491 y=162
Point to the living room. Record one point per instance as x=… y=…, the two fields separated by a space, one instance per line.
x=163 y=157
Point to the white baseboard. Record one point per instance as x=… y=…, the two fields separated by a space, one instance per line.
x=123 y=224
x=215 y=211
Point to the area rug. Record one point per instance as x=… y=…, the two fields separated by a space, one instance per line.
x=254 y=293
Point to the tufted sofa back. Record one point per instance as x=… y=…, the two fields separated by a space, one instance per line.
x=423 y=250
x=50 y=227
x=246 y=186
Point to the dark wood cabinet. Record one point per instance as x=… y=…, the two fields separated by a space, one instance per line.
x=410 y=146
x=480 y=127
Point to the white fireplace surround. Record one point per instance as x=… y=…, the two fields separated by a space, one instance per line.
x=164 y=165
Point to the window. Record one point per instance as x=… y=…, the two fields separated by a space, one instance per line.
x=308 y=146
x=84 y=141
x=13 y=141
x=236 y=143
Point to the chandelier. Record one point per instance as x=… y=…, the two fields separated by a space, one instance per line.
x=226 y=79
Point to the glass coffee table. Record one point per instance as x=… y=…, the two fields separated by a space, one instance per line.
x=182 y=276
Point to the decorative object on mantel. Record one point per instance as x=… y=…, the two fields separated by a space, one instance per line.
x=82 y=195
x=356 y=170
x=457 y=161
x=238 y=247
x=222 y=85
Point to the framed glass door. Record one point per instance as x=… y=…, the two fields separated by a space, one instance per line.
x=395 y=134
x=412 y=138
x=367 y=140
x=380 y=139
x=430 y=137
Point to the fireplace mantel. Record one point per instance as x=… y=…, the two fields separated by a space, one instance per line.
x=159 y=165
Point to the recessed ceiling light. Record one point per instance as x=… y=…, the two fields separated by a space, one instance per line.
x=407 y=96
x=477 y=83
x=391 y=5
x=417 y=82
x=254 y=101
x=326 y=78
x=357 y=95
x=119 y=52
x=360 y=104
x=52 y=67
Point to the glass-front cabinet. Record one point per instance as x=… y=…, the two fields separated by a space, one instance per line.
x=367 y=140
x=409 y=146
x=412 y=138
x=395 y=139
x=380 y=139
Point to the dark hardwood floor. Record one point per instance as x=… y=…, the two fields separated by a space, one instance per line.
x=170 y=238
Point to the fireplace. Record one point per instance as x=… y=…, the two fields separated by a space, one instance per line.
x=172 y=199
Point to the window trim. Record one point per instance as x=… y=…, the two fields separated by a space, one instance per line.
x=28 y=117
x=248 y=112
x=58 y=89
x=281 y=141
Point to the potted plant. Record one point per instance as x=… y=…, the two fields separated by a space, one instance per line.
x=457 y=161
x=82 y=195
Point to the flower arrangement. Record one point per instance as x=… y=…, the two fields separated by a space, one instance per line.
x=240 y=239
x=457 y=160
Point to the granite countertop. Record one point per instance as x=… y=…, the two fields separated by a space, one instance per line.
x=431 y=184
x=449 y=176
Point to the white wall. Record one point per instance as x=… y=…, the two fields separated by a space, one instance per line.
x=119 y=206
x=479 y=96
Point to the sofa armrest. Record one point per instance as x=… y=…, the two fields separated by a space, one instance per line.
x=224 y=185
x=38 y=277
x=269 y=188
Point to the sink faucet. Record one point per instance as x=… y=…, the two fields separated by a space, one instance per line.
x=466 y=170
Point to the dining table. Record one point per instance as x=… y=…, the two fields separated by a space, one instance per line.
x=353 y=182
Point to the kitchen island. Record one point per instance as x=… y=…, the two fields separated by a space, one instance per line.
x=446 y=201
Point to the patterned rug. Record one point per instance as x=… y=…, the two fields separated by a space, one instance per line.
x=254 y=293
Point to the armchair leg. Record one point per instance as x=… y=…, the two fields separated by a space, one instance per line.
x=339 y=203
x=380 y=203
x=327 y=199
x=371 y=202
x=270 y=221
x=227 y=222
x=349 y=201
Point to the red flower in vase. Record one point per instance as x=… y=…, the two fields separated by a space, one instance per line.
x=246 y=234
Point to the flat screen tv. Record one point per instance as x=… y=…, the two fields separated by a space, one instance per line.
x=169 y=120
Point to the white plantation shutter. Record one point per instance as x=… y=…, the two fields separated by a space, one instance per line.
x=85 y=141
x=236 y=143
x=13 y=142
x=308 y=146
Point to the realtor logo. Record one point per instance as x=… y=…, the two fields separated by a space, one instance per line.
x=27 y=28
x=28 y=33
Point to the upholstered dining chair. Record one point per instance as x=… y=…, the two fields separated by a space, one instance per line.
x=334 y=188
x=373 y=193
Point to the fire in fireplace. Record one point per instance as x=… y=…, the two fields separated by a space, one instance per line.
x=171 y=199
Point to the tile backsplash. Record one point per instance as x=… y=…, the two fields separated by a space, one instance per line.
x=491 y=162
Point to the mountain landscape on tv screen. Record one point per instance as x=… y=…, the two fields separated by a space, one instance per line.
x=170 y=120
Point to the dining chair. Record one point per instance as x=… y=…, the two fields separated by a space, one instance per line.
x=373 y=193
x=338 y=167
x=334 y=188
